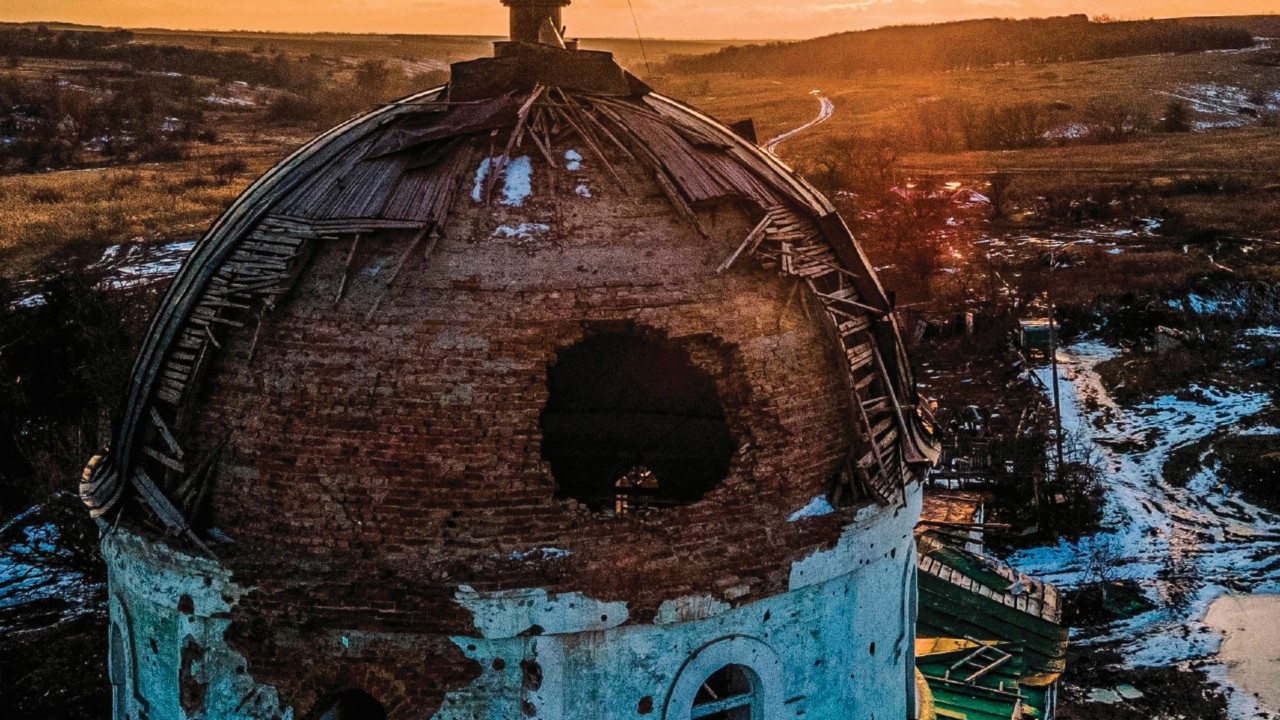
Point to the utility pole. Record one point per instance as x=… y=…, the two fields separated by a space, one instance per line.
x=1053 y=363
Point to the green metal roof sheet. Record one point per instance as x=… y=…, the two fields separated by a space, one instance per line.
x=966 y=596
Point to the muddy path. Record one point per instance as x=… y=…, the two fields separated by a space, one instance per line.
x=1185 y=546
x=826 y=109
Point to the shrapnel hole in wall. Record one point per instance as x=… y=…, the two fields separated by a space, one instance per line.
x=632 y=425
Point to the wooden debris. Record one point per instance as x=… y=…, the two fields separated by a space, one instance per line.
x=346 y=269
x=404 y=259
x=165 y=433
x=752 y=241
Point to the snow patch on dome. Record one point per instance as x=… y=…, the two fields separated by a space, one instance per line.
x=517 y=179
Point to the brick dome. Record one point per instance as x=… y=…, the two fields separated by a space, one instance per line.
x=541 y=328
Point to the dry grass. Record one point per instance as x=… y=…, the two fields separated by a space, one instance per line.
x=108 y=206
x=424 y=50
x=61 y=216
x=887 y=100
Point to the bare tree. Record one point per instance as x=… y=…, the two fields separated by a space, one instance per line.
x=866 y=164
x=1103 y=562
x=1177 y=117
x=1114 y=119
x=998 y=194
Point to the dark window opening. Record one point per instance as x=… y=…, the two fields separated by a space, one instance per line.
x=348 y=705
x=729 y=694
x=117 y=672
x=631 y=425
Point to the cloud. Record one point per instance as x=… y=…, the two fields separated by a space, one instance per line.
x=859 y=5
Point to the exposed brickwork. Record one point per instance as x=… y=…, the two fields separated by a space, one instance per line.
x=192 y=685
x=371 y=467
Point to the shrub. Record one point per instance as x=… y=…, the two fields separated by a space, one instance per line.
x=862 y=164
x=1005 y=127
x=1177 y=117
x=948 y=125
x=937 y=128
x=1115 y=120
x=163 y=150
x=64 y=364
x=227 y=170
x=293 y=109
x=999 y=192
x=47 y=196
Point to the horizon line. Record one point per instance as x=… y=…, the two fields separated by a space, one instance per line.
x=492 y=37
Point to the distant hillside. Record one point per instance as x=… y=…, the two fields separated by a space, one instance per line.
x=1267 y=26
x=428 y=50
x=970 y=43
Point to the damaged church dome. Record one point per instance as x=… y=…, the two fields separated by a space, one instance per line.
x=538 y=395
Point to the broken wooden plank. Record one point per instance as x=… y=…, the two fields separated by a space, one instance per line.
x=171 y=463
x=404 y=259
x=750 y=243
x=346 y=269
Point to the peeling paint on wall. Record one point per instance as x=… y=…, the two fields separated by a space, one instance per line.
x=822 y=637
x=533 y=612
x=172 y=610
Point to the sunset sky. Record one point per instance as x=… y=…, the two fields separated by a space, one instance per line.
x=591 y=18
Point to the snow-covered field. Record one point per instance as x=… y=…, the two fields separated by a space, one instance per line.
x=128 y=265
x=136 y=264
x=26 y=575
x=1223 y=106
x=1186 y=546
x=1102 y=235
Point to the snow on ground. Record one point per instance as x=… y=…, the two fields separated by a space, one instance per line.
x=1070 y=131
x=1238 y=303
x=1260 y=43
x=1102 y=235
x=135 y=263
x=524 y=232
x=127 y=265
x=1264 y=332
x=1185 y=546
x=23 y=575
x=1223 y=106
x=226 y=101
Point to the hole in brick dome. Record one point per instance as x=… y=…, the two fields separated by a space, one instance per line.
x=632 y=425
x=347 y=705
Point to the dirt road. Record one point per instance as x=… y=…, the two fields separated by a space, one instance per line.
x=826 y=109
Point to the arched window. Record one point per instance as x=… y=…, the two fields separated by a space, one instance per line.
x=733 y=678
x=631 y=424
x=348 y=705
x=728 y=694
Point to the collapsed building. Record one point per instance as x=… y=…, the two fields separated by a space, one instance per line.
x=990 y=641
x=537 y=395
